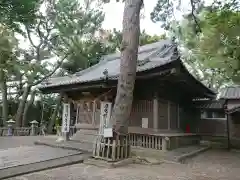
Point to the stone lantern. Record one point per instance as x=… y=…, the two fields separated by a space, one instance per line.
x=10 y=127
x=34 y=126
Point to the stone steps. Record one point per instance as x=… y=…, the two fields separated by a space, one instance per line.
x=85 y=137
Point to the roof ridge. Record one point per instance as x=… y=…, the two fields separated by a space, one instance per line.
x=140 y=50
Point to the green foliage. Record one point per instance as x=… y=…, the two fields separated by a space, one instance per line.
x=221 y=41
x=15 y=12
x=216 y=48
x=209 y=35
x=115 y=39
x=75 y=35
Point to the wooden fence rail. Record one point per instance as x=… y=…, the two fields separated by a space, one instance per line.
x=111 y=150
x=146 y=141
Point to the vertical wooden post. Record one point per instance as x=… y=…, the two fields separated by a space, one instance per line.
x=169 y=118
x=178 y=116
x=77 y=114
x=65 y=135
x=228 y=133
x=155 y=112
x=94 y=113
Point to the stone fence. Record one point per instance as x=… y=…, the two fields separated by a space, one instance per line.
x=29 y=131
x=16 y=131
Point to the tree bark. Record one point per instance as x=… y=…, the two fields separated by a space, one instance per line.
x=3 y=88
x=54 y=115
x=128 y=64
x=21 y=106
x=28 y=104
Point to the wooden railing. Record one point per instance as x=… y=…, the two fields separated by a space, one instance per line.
x=111 y=150
x=148 y=141
x=161 y=142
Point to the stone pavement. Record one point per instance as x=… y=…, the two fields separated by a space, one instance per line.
x=210 y=165
x=19 y=155
x=30 y=154
x=17 y=141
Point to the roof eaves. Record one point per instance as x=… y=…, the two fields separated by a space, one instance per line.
x=199 y=82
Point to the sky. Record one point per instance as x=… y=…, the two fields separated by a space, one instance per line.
x=114 y=15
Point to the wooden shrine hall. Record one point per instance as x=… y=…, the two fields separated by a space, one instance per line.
x=163 y=96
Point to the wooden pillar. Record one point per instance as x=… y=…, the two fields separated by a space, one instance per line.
x=228 y=132
x=169 y=118
x=155 y=112
x=77 y=114
x=94 y=113
x=178 y=116
x=65 y=135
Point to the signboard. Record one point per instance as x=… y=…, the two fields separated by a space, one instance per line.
x=144 y=122
x=108 y=132
x=66 y=117
x=105 y=115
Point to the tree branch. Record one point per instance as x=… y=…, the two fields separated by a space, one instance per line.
x=194 y=17
x=51 y=73
x=29 y=36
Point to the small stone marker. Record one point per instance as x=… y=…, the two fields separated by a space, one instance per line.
x=10 y=127
x=34 y=125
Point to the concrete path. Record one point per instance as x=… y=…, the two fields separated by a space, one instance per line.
x=30 y=154
x=210 y=165
x=17 y=141
x=19 y=155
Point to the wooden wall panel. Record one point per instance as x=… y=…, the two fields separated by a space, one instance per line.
x=162 y=114
x=173 y=116
x=141 y=109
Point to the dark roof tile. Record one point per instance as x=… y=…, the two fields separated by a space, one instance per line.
x=231 y=92
x=154 y=55
x=209 y=104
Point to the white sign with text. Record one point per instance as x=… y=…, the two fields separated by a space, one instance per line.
x=105 y=115
x=66 y=117
x=144 y=122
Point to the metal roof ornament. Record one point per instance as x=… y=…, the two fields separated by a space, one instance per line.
x=105 y=73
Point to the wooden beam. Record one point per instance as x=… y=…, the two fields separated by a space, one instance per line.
x=161 y=73
x=80 y=87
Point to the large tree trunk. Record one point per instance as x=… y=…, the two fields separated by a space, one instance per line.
x=3 y=88
x=28 y=104
x=129 y=55
x=21 y=106
x=54 y=115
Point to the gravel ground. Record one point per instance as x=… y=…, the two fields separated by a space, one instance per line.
x=211 y=165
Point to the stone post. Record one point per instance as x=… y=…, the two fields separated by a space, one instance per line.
x=34 y=125
x=10 y=127
x=165 y=142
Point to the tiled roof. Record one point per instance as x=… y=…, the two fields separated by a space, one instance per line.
x=209 y=104
x=150 y=56
x=233 y=109
x=231 y=92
